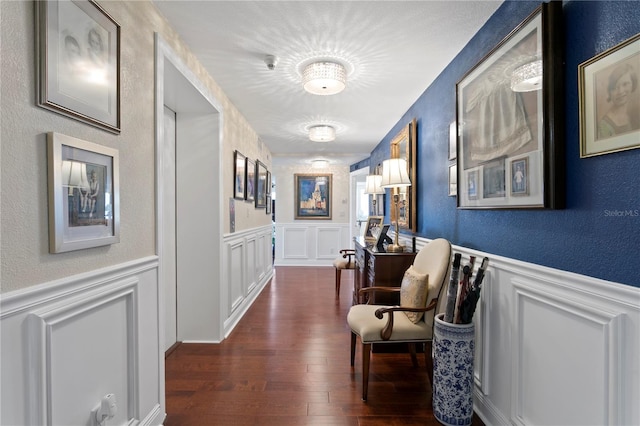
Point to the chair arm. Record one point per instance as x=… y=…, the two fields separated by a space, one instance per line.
x=347 y=253
x=376 y=289
x=385 y=333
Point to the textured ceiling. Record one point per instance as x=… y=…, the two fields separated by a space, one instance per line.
x=392 y=50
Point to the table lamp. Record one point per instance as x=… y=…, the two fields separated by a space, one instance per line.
x=372 y=186
x=395 y=175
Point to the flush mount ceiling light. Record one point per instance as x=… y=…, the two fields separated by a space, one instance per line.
x=527 y=77
x=322 y=133
x=319 y=164
x=324 y=78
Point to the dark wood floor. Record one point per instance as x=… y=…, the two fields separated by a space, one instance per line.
x=287 y=363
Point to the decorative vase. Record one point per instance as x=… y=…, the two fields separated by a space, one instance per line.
x=453 y=352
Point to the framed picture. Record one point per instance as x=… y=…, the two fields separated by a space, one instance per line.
x=509 y=106
x=609 y=100
x=382 y=236
x=372 y=228
x=519 y=177
x=313 y=196
x=268 y=205
x=239 y=173
x=453 y=180
x=403 y=145
x=261 y=185
x=84 y=201
x=453 y=140
x=79 y=62
x=250 y=180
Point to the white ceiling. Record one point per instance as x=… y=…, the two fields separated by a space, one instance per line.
x=392 y=50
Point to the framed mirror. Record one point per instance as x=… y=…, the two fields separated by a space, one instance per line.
x=403 y=145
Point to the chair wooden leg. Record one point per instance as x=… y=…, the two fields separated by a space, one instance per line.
x=353 y=348
x=428 y=361
x=412 y=352
x=366 y=358
x=338 y=273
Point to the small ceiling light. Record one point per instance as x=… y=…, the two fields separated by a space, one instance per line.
x=324 y=78
x=527 y=77
x=322 y=133
x=319 y=164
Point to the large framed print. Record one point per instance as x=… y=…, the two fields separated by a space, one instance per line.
x=313 y=196
x=509 y=113
x=261 y=185
x=610 y=100
x=84 y=201
x=250 y=180
x=79 y=61
x=239 y=183
x=403 y=145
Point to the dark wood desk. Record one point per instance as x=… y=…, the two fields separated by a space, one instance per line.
x=378 y=268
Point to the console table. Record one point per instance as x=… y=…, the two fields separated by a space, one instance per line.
x=378 y=268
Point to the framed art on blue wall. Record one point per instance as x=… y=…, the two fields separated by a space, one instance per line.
x=78 y=57
x=610 y=100
x=313 y=196
x=509 y=110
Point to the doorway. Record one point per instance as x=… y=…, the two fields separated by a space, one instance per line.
x=189 y=214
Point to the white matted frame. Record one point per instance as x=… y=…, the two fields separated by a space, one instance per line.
x=78 y=58
x=84 y=198
x=610 y=100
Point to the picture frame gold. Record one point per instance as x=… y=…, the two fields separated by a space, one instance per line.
x=609 y=112
x=84 y=194
x=403 y=145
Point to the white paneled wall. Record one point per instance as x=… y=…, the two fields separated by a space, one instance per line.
x=67 y=343
x=553 y=347
x=313 y=243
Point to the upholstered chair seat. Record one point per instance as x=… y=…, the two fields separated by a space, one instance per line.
x=345 y=261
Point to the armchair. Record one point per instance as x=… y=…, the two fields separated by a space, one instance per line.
x=346 y=261
x=392 y=324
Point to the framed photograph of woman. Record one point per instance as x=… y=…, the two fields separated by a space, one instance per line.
x=84 y=201
x=79 y=62
x=610 y=100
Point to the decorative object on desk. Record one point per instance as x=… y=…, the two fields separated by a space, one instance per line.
x=313 y=196
x=609 y=99
x=496 y=124
x=453 y=354
x=403 y=146
x=376 y=324
x=261 y=185
x=370 y=230
x=239 y=173
x=372 y=187
x=250 y=180
x=84 y=196
x=382 y=237
x=395 y=176
x=78 y=56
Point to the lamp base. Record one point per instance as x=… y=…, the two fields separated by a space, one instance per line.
x=394 y=248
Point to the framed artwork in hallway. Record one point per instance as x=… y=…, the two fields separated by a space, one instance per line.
x=250 y=180
x=313 y=196
x=78 y=54
x=239 y=177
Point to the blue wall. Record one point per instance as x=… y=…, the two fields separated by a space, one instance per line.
x=584 y=237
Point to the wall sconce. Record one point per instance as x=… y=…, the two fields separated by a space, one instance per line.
x=395 y=175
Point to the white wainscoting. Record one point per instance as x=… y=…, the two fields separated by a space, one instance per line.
x=313 y=243
x=249 y=267
x=553 y=347
x=67 y=343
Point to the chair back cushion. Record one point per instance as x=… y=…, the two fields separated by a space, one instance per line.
x=434 y=260
x=413 y=292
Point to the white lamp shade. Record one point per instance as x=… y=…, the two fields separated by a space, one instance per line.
x=527 y=77
x=322 y=133
x=372 y=185
x=74 y=174
x=324 y=78
x=394 y=173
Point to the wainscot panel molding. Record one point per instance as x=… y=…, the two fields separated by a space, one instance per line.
x=310 y=244
x=69 y=342
x=553 y=347
x=249 y=267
